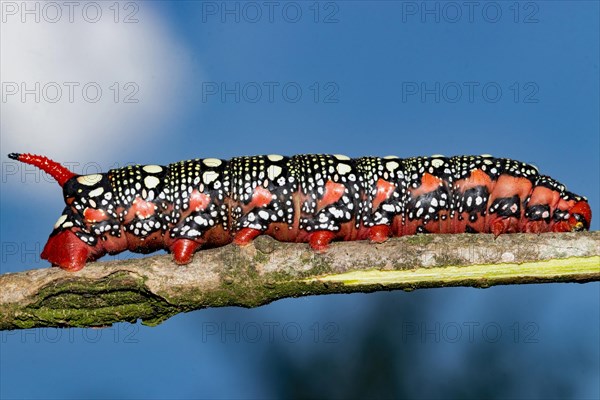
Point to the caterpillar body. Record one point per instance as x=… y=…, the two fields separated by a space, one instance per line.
x=314 y=198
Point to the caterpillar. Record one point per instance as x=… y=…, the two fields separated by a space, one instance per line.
x=314 y=198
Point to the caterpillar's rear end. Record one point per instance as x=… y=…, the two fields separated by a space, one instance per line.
x=211 y=202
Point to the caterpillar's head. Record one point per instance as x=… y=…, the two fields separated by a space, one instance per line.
x=572 y=214
x=76 y=234
x=580 y=215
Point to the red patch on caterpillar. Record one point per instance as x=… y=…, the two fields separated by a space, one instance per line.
x=260 y=198
x=142 y=208
x=430 y=182
x=333 y=193
x=544 y=195
x=508 y=186
x=94 y=215
x=384 y=192
x=198 y=201
x=478 y=177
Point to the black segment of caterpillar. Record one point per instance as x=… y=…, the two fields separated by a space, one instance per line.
x=314 y=198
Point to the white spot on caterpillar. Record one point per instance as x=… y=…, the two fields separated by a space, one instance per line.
x=60 y=221
x=341 y=157
x=388 y=208
x=151 y=182
x=200 y=220
x=343 y=168
x=152 y=169
x=209 y=176
x=263 y=214
x=67 y=224
x=97 y=192
x=337 y=213
x=436 y=162
x=274 y=157
x=391 y=165
x=546 y=214
x=274 y=171
x=212 y=162
x=89 y=180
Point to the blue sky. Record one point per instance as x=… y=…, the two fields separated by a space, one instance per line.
x=216 y=79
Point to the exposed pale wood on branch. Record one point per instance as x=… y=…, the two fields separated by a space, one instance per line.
x=154 y=289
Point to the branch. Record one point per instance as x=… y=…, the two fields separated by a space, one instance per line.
x=154 y=289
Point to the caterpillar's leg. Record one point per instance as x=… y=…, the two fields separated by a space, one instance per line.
x=183 y=250
x=319 y=240
x=246 y=235
x=504 y=225
x=379 y=233
x=535 y=227
x=67 y=251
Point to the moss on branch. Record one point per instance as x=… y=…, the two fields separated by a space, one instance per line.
x=153 y=289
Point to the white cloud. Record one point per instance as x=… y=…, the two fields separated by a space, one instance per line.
x=98 y=54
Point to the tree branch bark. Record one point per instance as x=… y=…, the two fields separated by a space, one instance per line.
x=154 y=289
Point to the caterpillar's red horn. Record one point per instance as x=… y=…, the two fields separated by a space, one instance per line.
x=54 y=169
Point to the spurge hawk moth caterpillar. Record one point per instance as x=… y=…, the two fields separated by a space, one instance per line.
x=314 y=198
